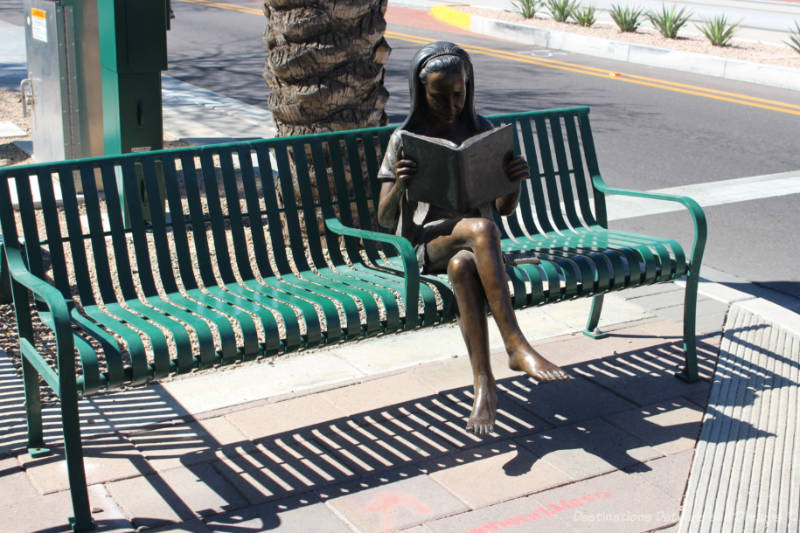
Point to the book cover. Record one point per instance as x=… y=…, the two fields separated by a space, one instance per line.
x=460 y=177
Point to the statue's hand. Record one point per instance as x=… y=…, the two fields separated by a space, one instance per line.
x=517 y=169
x=405 y=170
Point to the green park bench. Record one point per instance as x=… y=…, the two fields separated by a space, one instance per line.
x=199 y=256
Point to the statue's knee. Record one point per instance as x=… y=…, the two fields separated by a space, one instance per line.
x=485 y=232
x=460 y=267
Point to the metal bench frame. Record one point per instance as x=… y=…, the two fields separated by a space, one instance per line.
x=146 y=322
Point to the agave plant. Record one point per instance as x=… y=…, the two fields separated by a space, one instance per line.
x=669 y=22
x=585 y=16
x=526 y=8
x=562 y=10
x=794 y=38
x=718 y=31
x=627 y=18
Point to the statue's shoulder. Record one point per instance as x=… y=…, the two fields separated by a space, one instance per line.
x=484 y=124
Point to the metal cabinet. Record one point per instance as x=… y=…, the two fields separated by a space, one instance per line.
x=63 y=91
x=133 y=52
x=94 y=75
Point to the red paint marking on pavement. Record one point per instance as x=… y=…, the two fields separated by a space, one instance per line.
x=551 y=509
x=385 y=503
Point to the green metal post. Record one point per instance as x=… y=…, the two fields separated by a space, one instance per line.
x=594 y=319
x=5 y=280
x=689 y=372
x=133 y=52
x=73 y=452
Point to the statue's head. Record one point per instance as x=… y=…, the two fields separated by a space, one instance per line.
x=441 y=85
x=444 y=79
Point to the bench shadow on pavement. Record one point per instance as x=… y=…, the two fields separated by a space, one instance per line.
x=373 y=448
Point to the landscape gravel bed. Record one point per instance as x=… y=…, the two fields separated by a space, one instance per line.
x=690 y=40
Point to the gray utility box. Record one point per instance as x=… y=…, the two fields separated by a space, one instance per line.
x=94 y=75
x=63 y=91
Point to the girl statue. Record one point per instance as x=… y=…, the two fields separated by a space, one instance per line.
x=464 y=245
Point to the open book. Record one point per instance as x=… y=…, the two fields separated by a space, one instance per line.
x=460 y=177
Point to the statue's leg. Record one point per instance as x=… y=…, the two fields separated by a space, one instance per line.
x=485 y=244
x=470 y=303
x=482 y=238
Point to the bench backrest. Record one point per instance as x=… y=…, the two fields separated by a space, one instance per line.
x=236 y=209
x=560 y=151
x=250 y=209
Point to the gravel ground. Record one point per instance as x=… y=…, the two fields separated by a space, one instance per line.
x=689 y=41
x=11 y=111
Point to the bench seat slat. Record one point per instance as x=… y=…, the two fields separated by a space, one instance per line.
x=112 y=352
x=358 y=270
x=350 y=297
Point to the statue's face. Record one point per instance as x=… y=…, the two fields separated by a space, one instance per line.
x=445 y=94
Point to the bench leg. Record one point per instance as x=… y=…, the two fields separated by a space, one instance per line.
x=689 y=372
x=73 y=449
x=5 y=280
x=594 y=318
x=33 y=411
x=73 y=452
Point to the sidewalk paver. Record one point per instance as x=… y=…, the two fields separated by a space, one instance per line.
x=564 y=402
x=520 y=514
x=297 y=515
x=275 y=418
x=670 y=427
x=589 y=449
x=107 y=458
x=668 y=473
x=379 y=393
x=494 y=473
x=401 y=505
x=623 y=504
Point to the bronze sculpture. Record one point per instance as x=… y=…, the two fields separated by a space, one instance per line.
x=466 y=245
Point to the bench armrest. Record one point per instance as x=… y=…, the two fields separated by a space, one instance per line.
x=59 y=311
x=695 y=211
x=407 y=254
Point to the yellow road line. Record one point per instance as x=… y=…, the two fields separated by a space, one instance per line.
x=743 y=99
x=694 y=90
x=226 y=5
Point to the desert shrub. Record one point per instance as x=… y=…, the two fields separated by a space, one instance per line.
x=794 y=38
x=627 y=18
x=718 y=31
x=526 y=8
x=561 y=10
x=585 y=16
x=669 y=22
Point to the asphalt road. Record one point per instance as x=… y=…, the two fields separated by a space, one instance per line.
x=647 y=137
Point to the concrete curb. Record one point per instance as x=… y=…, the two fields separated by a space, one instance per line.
x=731 y=69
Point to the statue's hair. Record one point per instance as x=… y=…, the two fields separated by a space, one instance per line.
x=446 y=62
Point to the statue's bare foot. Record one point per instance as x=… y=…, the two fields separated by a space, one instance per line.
x=484 y=407
x=528 y=360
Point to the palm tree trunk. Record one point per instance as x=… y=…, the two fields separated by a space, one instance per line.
x=325 y=64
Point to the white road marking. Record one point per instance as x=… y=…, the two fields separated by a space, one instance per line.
x=708 y=194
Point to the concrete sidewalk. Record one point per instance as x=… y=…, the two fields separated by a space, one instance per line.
x=370 y=436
